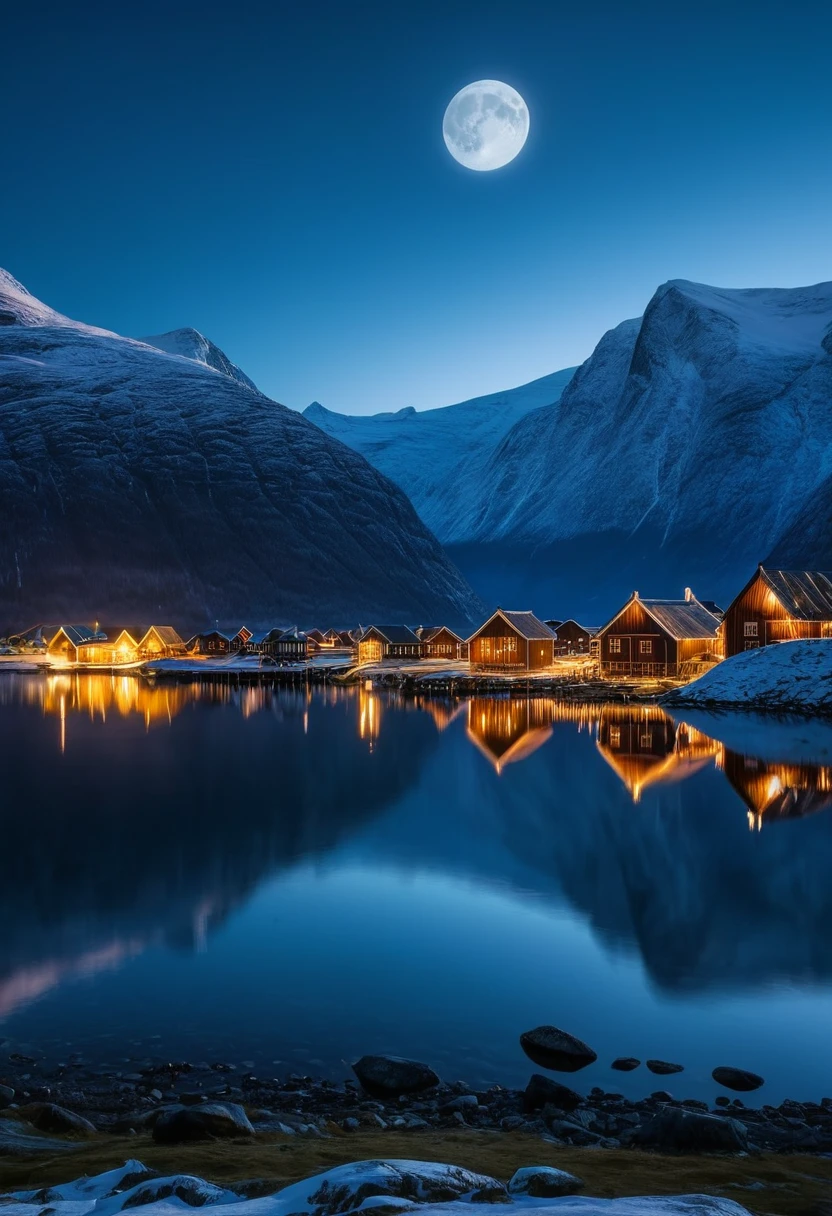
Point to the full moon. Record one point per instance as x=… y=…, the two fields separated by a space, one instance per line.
x=485 y=125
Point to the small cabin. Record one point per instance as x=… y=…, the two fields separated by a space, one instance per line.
x=345 y=640
x=212 y=643
x=656 y=638
x=238 y=641
x=779 y=606
x=388 y=642
x=161 y=642
x=289 y=645
x=68 y=639
x=513 y=641
x=439 y=642
x=572 y=638
x=115 y=646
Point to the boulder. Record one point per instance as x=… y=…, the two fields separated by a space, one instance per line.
x=210 y=1121
x=389 y=1076
x=6 y=1096
x=544 y=1182
x=675 y=1129
x=47 y=1117
x=555 y=1049
x=542 y=1091
x=737 y=1078
x=16 y=1142
x=625 y=1063
x=346 y=1188
x=663 y=1069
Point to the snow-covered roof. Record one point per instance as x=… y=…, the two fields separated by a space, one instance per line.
x=396 y=635
x=805 y=594
x=525 y=623
x=80 y=634
x=166 y=634
x=680 y=619
x=427 y=633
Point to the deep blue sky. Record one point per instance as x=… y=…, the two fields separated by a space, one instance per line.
x=274 y=174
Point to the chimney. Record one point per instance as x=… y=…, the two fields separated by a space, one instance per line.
x=688 y=594
x=635 y=595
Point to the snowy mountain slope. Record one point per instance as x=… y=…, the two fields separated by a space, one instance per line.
x=436 y=455
x=679 y=453
x=136 y=483
x=191 y=344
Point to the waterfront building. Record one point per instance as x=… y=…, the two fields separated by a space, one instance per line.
x=514 y=641
x=655 y=638
x=778 y=606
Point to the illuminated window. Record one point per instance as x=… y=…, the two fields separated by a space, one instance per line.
x=212 y=645
x=645 y=646
x=750 y=629
x=751 y=645
x=646 y=740
x=615 y=736
x=615 y=645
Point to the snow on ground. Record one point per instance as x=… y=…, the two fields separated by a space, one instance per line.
x=787 y=675
x=347 y=1188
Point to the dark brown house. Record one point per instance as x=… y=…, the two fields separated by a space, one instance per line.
x=288 y=645
x=659 y=638
x=238 y=642
x=210 y=643
x=512 y=641
x=778 y=606
x=388 y=642
x=572 y=638
x=438 y=642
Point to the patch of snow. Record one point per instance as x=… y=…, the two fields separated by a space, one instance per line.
x=784 y=675
x=191 y=344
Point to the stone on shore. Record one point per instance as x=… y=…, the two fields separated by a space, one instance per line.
x=210 y=1121
x=625 y=1064
x=542 y=1091
x=15 y=1141
x=663 y=1069
x=348 y=1187
x=47 y=1117
x=544 y=1182
x=390 y=1076
x=737 y=1079
x=557 y=1050
x=677 y=1129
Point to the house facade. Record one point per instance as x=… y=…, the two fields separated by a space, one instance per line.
x=388 y=642
x=439 y=642
x=656 y=638
x=778 y=606
x=161 y=642
x=512 y=641
x=68 y=640
x=211 y=643
x=572 y=638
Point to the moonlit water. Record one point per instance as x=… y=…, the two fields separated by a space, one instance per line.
x=295 y=878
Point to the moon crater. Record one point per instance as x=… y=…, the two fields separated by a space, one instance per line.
x=485 y=125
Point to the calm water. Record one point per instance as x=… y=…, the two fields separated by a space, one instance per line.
x=294 y=879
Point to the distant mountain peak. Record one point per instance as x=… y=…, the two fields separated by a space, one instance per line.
x=189 y=343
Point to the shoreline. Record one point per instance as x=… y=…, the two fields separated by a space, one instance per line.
x=125 y=1103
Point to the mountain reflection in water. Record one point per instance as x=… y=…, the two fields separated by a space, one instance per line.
x=143 y=822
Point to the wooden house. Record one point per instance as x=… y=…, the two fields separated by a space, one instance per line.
x=512 y=641
x=161 y=642
x=115 y=646
x=659 y=638
x=778 y=606
x=438 y=642
x=572 y=638
x=238 y=642
x=287 y=645
x=67 y=639
x=388 y=642
x=211 y=643
x=346 y=640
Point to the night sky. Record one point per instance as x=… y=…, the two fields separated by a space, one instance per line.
x=274 y=174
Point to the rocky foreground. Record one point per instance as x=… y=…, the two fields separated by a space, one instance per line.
x=184 y=1102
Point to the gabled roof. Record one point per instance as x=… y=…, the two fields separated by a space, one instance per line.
x=210 y=633
x=166 y=634
x=572 y=621
x=680 y=619
x=524 y=623
x=396 y=635
x=79 y=634
x=428 y=632
x=257 y=639
x=805 y=594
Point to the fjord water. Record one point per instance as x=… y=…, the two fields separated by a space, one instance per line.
x=295 y=877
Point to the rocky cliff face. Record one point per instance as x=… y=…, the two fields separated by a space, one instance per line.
x=692 y=444
x=134 y=482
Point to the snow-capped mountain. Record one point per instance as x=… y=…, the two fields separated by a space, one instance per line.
x=139 y=482
x=693 y=442
x=191 y=344
x=437 y=456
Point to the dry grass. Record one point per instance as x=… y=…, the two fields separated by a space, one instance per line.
x=794 y=1185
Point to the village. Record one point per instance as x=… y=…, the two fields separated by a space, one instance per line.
x=671 y=640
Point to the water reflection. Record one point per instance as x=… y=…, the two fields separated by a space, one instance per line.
x=140 y=821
